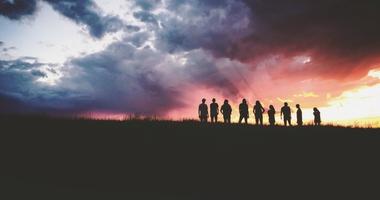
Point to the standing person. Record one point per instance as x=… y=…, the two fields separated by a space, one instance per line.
x=271 y=115
x=317 y=117
x=299 y=115
x=258 y=110
x=286 y=112
x=243 y=110
x=214 y=111
x=203 y=111
x=226 y=110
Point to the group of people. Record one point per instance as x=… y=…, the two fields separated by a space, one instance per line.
x=258 y=111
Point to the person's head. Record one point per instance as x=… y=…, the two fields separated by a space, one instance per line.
x=203 y=100
x=315 y=109
x=298 y=106
x=244 y=101
x=213 y=100
x=226 y=101
x=271 y=107
x=286 y=104
x=258 y=103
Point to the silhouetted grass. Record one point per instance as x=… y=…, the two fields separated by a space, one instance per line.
x=53 y=158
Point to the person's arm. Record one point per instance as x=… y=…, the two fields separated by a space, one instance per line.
x=263 y=109
x=217 y=109
x=199 y=111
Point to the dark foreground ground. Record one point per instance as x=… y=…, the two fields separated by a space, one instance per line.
x=78 y=159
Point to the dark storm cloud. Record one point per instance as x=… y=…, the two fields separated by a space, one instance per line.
x=122 y=78
x=16 y=9
x=21 y=92
x=147 y=4
x=335 y=32
x=84 y=12
x=18 y=79
x=212 y=25
x=146 y=17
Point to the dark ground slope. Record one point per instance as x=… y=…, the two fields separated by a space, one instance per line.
x=79 y=159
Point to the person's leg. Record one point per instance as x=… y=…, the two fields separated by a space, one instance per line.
x=289 y=122
x=240 y=119
x=246 y=120
x=285 y=122
x=216 y=118
x=261 y=120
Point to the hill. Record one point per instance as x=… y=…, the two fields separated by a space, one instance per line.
x=85 y=159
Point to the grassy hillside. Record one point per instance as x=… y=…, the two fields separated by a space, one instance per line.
x=84 y=159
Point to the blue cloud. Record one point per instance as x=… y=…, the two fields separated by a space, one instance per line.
x=84 y=12
x=212 y=25
x=17 y=9
x=145 y=16
x=147 y=4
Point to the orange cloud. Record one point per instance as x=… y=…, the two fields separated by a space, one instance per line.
x=307 y=95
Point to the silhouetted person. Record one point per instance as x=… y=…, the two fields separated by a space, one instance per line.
x=286 y=114
x=243 y=110
x=258 y=110
x=271 y=114
x=226 y=110
x=203 y=111
x=317 y=117
x=299 y=115
x=214 y=111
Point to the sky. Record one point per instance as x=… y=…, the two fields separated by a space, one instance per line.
x=161 y=57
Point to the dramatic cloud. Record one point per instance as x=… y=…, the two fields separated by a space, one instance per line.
x=123 y=78
x=18 y=82
x=334 y=33
x=87 y=13
x=212 y=25
x=84 y=12
x=16 y=9
x=273 y=50
x=148 y=4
